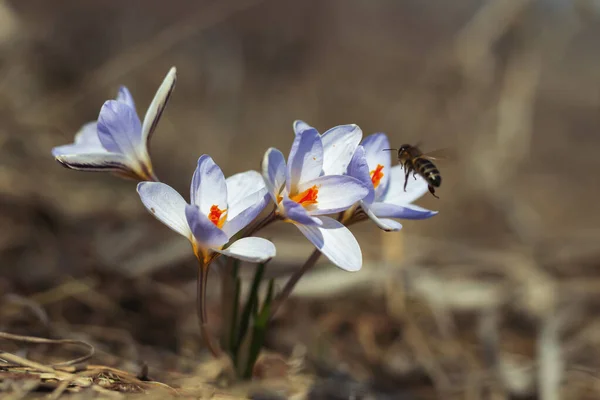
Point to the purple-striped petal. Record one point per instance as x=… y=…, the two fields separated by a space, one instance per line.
x=359 y=169
x=376 y=155
x=297 y=213
x=105 y=161
x=336 y=242
x=407 y=211
x=335 y=193
x=119 y=129
x=157 y=106
x=415 y=188
x=274 y=172
x=208 y=186
x=246 y=197
x=339 y=144
x=124 y=96
x=166 y=205
x=251 y=249
x=306 y=158
x=205 y=232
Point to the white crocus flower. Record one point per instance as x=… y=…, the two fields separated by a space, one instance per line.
x=118 y=142
x=387 y=198
x=218 y=209
x=303 y=194
x=339 y=144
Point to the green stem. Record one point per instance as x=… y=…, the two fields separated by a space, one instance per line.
x=201 y=307
x=234 y=326
x=259 y=331
x=228 y=307
x=249 y=306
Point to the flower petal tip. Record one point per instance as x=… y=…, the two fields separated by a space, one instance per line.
x=300 y=126
x=140 y=186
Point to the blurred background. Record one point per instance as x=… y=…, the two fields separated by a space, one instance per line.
x=495 y=297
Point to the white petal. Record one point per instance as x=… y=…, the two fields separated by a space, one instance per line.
x=86 y=141
x=274 y=171
x=339 y=144
x=405 y=211
x=376 y=154
x=336 y=242
x=157 y=106
x=359 y=169
x=246 y=197
x=388 y=225
x=208 y=186
x=244 y=190
x=335 y=193
x=88 y=135
x=306 y=159
x=415 y=188
x=251 y=249
x=166 y=205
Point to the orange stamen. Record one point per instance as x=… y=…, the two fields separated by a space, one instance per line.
x=307 y=197
x=217 y=216
x=376 y=175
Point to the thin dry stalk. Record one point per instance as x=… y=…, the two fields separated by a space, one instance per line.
x=37 y=340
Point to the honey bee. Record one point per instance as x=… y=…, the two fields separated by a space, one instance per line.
x=415 y=161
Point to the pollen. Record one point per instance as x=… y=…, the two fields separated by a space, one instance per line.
x=307 y=197
x=376 y=175
x=217 y=216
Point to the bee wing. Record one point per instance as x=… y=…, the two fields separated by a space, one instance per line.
x=445 y=154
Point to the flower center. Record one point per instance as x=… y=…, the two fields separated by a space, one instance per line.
x=307 y=197
x=217 y=216
x=376 y=175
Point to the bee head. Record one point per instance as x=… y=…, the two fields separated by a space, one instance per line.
x=404 y=152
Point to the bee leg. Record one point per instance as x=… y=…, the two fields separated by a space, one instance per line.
x=432 y=191
x=406 y=178
x=415 y=175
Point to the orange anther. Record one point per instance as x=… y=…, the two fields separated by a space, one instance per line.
x=376 y=175
x=307 y=197
x=216 y=215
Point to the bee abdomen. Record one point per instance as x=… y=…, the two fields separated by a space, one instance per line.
x=435 y=179
x=428 y=171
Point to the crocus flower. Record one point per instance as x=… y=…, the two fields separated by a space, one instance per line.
x=339 y=145
x=387 y=199
x=304 y=194
x=219 y=208
x=118 y=141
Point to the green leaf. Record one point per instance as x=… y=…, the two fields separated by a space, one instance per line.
x=259 y=330
x=249 y=306
x=229 y=301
